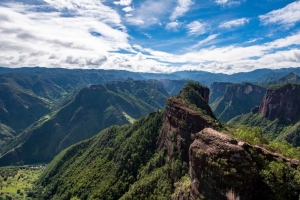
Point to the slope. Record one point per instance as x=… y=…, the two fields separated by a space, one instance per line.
x=92 y=110
x=169 y=155
x=19 y=107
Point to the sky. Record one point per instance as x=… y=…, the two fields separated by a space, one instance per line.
x=160 y=36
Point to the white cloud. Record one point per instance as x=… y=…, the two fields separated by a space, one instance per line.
x=173 y=26
x=31 y=38
x=90 y=40
x=234 y=23
x=288 y=16
x=228 y=2
x=127 y=9
x=88 y=8
x=150 y=12
x=221 y=2
x=123 y=2
x=206 y=40
x=197 y=28
x=182 y=7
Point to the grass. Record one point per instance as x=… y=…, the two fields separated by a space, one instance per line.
x=17 y=185
x=130 y=119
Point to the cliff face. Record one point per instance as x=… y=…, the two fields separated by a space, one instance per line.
x=223 y=168
x=281 y=102
x=185 y=115
x=217 y=90
x=238 y=99
x=181 y=123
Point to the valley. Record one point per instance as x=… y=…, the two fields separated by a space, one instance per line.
x=124 y=135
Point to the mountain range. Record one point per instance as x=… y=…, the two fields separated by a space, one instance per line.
x=178 y=153
x=110 y=134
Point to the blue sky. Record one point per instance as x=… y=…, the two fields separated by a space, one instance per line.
x=224 y=36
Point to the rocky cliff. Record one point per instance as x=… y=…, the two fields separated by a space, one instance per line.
x=282 y=102
x=185 y=115
x=217 y=90
x=238 y=99
x=223 y=168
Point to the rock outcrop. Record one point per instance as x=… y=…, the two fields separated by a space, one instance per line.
x=181 y=125
x=282 y=102
x=217 y=90
x=238 y=99
x=185 y=115
x=220 y=167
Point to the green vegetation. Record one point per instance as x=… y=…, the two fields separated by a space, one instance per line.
x=288 y=78
x=193 y=95
x=15 y=182
x=274 y=130
x=124 y=162
x=113 y=158
x=130 y=119
x=254 y=136
x=83 y=116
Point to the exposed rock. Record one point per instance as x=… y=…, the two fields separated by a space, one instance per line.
x=181 y=125
x=238 y=99
x=281 y=102
x=185 y=115
x=217 y=90
x=220 y=167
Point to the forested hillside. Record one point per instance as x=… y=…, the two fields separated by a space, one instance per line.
x=171 y=154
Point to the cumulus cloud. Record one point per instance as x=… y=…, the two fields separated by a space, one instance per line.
x=150 y=12
x=182 y=7
x=127 y=9
x=173 y=26
x=197 y=28
x=234 y=23
x=123 y=2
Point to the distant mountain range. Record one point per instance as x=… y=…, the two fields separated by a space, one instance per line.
x=74 y=77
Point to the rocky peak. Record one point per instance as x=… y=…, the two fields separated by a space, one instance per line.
x=281 y=102
x=185 y=115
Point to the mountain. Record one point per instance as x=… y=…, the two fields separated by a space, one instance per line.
x=278 y=114
x=288 y=78
x=69 y=78
x=19 y=107
x=238 y=99
x=217 y=90
x=170 y=154
x=93 y=109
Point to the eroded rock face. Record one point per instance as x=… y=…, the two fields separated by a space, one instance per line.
x=282 y=103
x=220 y=167
x=238 y=99
x=218 y=90
x=181 y=125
